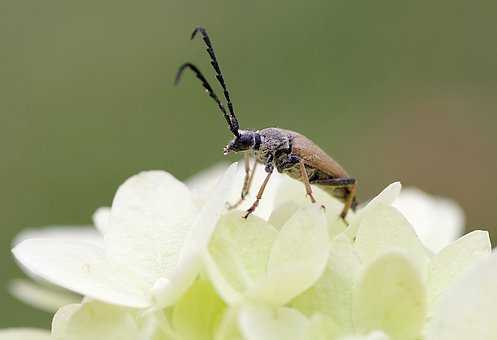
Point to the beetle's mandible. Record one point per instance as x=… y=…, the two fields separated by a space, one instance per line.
x=287 y=151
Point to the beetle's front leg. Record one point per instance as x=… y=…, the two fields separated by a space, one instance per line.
x=249 y=175
x=269 y=169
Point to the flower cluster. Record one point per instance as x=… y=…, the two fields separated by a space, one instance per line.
x=167 y=261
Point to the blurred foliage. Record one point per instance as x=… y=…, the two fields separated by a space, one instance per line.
x=392 y=89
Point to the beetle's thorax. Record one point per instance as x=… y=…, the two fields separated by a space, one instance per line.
x=272 y=141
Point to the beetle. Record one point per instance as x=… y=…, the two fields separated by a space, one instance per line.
x=289 y=152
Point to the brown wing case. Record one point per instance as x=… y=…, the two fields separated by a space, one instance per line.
x=314 y=156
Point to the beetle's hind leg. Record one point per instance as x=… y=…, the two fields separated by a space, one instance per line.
x=249 y=176
x=347 y=183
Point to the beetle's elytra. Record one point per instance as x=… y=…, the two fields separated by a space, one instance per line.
x=287 y=151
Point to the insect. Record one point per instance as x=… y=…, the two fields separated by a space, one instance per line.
x=289 y=152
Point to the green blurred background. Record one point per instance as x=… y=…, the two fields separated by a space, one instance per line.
x=395 y=90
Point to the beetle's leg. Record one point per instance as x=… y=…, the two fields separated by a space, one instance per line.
x=305 y=179
x=269 y=170
x=349 y=183
x=249 y=176
x=349 y=201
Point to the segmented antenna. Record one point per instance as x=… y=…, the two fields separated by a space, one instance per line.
x=209 y=90
x=219 y=74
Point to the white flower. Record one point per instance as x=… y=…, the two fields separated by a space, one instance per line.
x=39 y=293
x=25 y=334
x=438 y=221
x=293 y=272
x=99 y=321
x=151 y=245
x=467 y=309
x=249 y=260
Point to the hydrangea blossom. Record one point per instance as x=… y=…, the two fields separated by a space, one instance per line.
x=172 y=264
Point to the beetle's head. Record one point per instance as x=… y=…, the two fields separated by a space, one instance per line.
x=245 y=140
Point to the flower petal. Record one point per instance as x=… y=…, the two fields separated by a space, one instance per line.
x=25 y=334
x=198 y=312
x=266 y=205
x=223 y=286
x=385 y=198
x=468 y=310
x=61 y=232
x=202 y=183
x=196 y=243
x=384 y=229
x=228 y=326
x=450 y=263
x=80 y=267
x=291 y=195
x=69 y=233
x=438 y=221
x=257 y=322
x=45 y=298
x=99 y=321
x=101 y=219
x=390 y=296
x=238 y=253
x=376 y=335
x=322 y=327
x=298 y=258
x=152 y=213
x=331 y=295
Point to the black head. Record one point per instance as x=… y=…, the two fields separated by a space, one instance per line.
x=245 y=140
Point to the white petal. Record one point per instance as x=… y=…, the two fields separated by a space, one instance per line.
x=438 y=221
x=98 y=321
x=228 y=326
x=385 y=229
x=46 y=298
x=298 y=258
x=152 y=213
x=266 y=205
x=239 y=253
x=468 y=310
x=222 y=284
x=291 y=195
x=61 y=232
x=190 y=258
x=202 y=183
x=82 y=268
x=385 y=198
x=376 y=335
x=69 y=233
x=197 y=313
x=323 y=327
x=101 y=219
x=257 y=322
x=331 y=295
x=390 y=296
x=450 y=263
x=292 y=191
x=25 y=334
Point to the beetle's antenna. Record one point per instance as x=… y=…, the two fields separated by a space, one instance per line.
x=209 y=90
x=219 y=74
